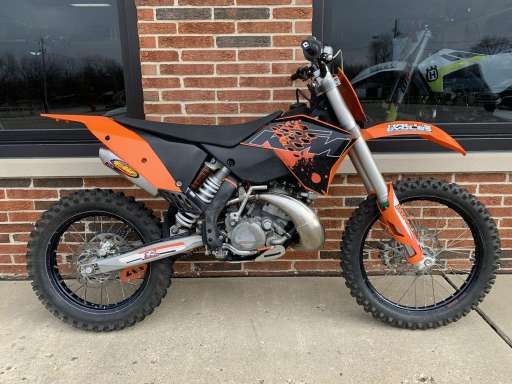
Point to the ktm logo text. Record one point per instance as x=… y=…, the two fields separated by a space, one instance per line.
x=322 y=142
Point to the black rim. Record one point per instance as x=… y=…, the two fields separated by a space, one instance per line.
x=59 y=281
x=459 y=290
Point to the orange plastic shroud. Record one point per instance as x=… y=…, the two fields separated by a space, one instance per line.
x=128 y=145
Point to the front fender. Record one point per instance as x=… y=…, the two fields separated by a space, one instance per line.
x=416 y=128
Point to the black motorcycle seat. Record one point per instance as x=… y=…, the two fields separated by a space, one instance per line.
x=220 y=135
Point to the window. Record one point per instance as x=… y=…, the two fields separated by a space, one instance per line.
x=447 y=62
x=59 y=56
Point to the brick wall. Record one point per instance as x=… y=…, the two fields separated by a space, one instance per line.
x=220 y=61
x=22 y=201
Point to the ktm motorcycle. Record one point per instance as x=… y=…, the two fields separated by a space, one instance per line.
x=415 y=254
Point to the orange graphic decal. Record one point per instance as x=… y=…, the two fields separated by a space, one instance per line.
x=128 y=145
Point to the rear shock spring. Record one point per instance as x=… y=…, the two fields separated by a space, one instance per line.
x=206 y=193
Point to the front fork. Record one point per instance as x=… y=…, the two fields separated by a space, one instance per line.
x=392 y=216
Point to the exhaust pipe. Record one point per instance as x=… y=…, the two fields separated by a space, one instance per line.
x=306 y=221
x=120 y=166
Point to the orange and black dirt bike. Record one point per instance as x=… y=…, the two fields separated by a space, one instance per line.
x=415 y=254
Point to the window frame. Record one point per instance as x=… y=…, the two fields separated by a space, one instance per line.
x=79 y=142
x=472 y=136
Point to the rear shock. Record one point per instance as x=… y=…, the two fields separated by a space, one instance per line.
x=206 y=192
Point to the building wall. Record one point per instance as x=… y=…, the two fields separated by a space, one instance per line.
x=217 y=62
x=22 y=201
x=220 y=61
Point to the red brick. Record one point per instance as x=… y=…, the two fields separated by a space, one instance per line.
x=303 y=27
x=508 y=200
x=13 y=248
x=202 y=120
x=31 y=194
x=15 y=205
x=210 y=82
x=158 y=56
x=284 y=68
x=265 y=54
x=264 y=27
x=208 y=55
x=343 y=190
x=151 y=96
x=15 y=228
x=284 y=94
x=234 y=69
x=479 y=177
x=500 y=212
x=263 y=2
x=188 y=95
x=206 y=2
x=156 y=28
x=19 y=259
x=212 y=108
x=186 y=69
x=5 y=259
x=14 y=269
x=293 y=13
x=160 y=82
x=317 y=265
x=162 y=108
x=265 y=81
x=145 y=14
x=243 y=95
x=278 y=265
x=185 y=41
x=335 y=212
x=506 y=223
x=2 y=194
x=288 y=40
x=142 y=3
x=24 y=216
x=262 y=107
x=149 y=69
x=147 y=42
x=496 y=188
x=107 y=182
x=490 y=200
x=209 y=28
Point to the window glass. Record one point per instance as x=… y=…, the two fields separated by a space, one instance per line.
x=60 y=57
x=446 y=61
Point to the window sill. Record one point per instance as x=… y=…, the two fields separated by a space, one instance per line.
x=387 y=162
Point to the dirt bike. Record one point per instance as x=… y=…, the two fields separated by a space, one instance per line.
x=415 y=254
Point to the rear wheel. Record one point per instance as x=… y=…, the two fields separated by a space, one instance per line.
x=459 y=240
x=80 y=228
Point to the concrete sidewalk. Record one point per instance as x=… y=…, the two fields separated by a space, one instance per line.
x=252 y=330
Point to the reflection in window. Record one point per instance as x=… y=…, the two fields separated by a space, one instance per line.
x=444 y=61
x=58 y=56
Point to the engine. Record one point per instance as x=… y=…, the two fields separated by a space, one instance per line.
x=262 y=225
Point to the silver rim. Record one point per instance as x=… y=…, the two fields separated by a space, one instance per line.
x=91 y=237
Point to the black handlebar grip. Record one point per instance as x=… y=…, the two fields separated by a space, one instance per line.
x=311 y=48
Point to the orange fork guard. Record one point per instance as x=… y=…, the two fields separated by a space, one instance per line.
x=395 y=221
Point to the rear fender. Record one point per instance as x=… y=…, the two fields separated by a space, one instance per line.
x=128 y=145
x=413 y=128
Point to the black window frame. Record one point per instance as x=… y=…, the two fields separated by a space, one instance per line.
x=79 y=142
x=472 y=136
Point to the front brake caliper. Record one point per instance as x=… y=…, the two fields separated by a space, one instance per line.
x=396 y=223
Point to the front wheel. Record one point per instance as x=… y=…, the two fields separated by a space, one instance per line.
x=457 y=233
